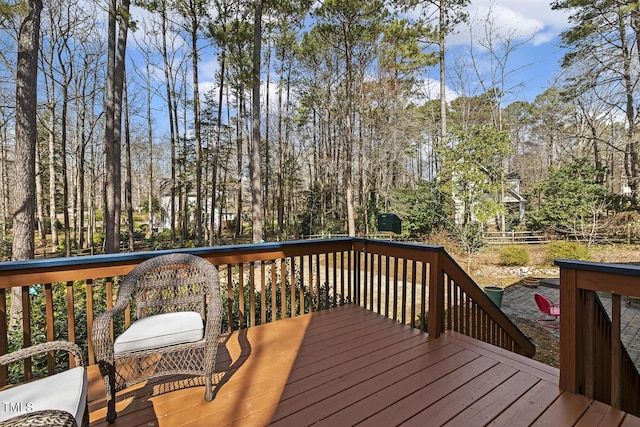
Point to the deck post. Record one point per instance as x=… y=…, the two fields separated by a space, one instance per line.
x=436 y=298
x=569 y=351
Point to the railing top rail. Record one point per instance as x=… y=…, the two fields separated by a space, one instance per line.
x=210 y=251
x=489 y=306
x=602 y=267
x=396 y=244
x=141 y=256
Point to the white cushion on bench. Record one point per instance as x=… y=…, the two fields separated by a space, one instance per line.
x=159 y=331
x=65 y=391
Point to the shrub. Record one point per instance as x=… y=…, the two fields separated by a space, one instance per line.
x=567 y=250
x=5 y=249
x=514 y=255
x=98 y=239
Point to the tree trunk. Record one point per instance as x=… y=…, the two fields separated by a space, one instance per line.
x=238 y=230
x=196 y=125
x=351 y=219
x=42 y=230
x=4 y=183
x=256 y=183
x=150 y=137
x=113 y=123
x=267 y=160
x=214 y=171
x=53 y=218
x=63 y=162
x=25 y=148
x=128 y=202
x=631 y=154
x=172 y=130
x=443 y=85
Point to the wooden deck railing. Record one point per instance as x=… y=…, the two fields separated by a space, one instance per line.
x=416 y=284
x=422 y=285
x=593 y=359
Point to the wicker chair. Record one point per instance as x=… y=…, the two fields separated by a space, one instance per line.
x=56 y=400
x=177 y=328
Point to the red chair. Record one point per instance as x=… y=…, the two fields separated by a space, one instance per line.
x=547 y=307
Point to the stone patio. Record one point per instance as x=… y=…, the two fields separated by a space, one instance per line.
x=518 y=301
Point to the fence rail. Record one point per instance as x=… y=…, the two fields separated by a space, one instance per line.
x=515 y=238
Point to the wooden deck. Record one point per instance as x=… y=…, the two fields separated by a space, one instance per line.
x=346 y=366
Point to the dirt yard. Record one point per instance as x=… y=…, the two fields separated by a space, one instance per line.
x=486 y=268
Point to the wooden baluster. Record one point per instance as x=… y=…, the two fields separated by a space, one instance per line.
x=404 y=292
x=310 y=278
x=335 y=279
x=127 y=316
x=387 y=285
x=274 y=292
x=4 y=339
x=263 y=293
x=467 y=315
x=292 y=309
x=395 y=289
x=365 y=286
x=456 y=308
x=302 y=286
x=342 y=271
x=89 y=299
x=423 y=299
x=371 y=274
x=436 y=299
x=109 y=295
x=252 y=294
x=356 y=277
x=349 y=276
x=26 y=330
x=589 y=345
x=449 y=323
x=616 y=351
x=327 y=284
x=230 y=296
x=242 y=314
x=71 y=319
x=318 y=288
x=414 y=272
x=283 y=285
x=379 y=278
x=51 y=334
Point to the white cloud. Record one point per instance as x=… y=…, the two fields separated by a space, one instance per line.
x=530 y=19
x=430 y=89
x=543 y=37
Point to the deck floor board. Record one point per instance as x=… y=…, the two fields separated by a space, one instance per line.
x=346 y=366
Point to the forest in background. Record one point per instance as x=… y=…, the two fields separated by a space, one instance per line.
x=319 y=120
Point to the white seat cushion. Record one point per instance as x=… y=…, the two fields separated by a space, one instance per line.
x=159 y=331
x=66 y=391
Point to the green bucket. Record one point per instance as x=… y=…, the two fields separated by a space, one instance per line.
x=495 y=294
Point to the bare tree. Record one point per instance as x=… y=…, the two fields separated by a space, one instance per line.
x=256 y=183
x=118 y=17
x=26 y=137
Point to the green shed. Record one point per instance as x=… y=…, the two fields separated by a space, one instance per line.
x=389 y=222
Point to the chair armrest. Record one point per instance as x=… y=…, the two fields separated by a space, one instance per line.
x=28 y=352
x=101 y=336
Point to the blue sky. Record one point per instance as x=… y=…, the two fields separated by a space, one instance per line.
x=533 y=65
x=531 y=25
